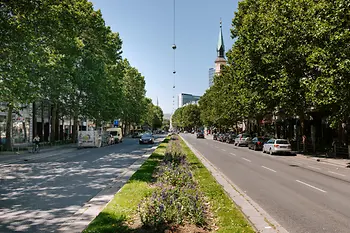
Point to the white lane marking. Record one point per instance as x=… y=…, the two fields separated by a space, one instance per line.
x=268 y=169
x=223 y=149
x=233 y=154
x=309 y=185
x=336 y=173
x=268 y=227
x=247 y=160
x=314 y=167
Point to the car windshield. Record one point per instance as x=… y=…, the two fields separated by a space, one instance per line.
x=282 y=142
x=114 y=133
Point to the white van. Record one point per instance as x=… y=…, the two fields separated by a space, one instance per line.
x=116 y=133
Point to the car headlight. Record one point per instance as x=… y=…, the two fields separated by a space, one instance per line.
x=140 y=139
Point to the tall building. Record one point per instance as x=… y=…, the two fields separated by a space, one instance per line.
x=187 y=98
x=211 y=76
x=220 y=60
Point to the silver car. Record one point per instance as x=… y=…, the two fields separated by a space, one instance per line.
x=274 y=146
x=242 y=139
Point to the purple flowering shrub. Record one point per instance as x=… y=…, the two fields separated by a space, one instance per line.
x=172 y=205
x=174 y=175
x=174 y=153
x=176 y=198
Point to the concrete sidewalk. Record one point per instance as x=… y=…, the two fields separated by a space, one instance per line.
x=5 y=155
x=337 y=162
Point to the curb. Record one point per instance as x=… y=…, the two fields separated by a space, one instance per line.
x=87 y=213
x=260 y=219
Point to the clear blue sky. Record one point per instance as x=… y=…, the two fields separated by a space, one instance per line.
x=146 y=28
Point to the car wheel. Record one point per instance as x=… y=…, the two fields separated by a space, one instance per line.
x=271 y=153
x=254 y=147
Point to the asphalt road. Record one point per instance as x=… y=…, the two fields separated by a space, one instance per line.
x=302 y=195
x=40 y=192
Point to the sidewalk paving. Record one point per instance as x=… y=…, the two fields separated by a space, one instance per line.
x=337 y=162
x=5 y=155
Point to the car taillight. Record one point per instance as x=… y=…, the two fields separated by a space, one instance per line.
x=276 y=145
x=259 y=143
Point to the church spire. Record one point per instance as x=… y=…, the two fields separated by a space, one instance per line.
x=221 y=47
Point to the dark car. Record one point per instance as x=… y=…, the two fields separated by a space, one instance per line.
x=146 y=139
x=257 y=143
x=215 y=136
x=200 y=135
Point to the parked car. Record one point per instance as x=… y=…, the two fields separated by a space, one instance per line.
x=242 y=139
x=257 y=143
x=221 y=137
x=146 y=139
x=274 y=146
x=215 y=136
x=230 y=137
x=117 y=133
x=200 y=135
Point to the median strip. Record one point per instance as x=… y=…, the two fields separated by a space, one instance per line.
x=154 y=193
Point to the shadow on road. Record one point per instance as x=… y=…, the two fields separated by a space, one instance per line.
x=39 y=197
x=106 y=222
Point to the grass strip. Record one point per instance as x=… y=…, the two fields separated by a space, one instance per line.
x=228 y=216
x=123 y=207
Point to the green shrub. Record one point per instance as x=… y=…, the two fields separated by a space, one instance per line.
x=176 y=198
x=172 y=205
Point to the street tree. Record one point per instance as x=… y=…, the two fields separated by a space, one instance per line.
x=133 y=94
x=191 y=116
x=158 y=115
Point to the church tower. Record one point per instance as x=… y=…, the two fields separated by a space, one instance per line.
x=220 y=60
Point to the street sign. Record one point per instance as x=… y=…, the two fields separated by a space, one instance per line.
x=116 y=123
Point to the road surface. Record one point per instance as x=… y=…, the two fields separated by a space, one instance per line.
x=40 y=192
x=302 y=195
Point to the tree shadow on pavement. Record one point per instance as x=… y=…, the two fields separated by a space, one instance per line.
x=114 y=219
x=41 y=196
x=118 y=224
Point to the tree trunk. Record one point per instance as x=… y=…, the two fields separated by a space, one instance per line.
x=25 y=130
x=53 y=123
x=75 y=126
x=302 y=127
x=34 y=121
x=8 y=144
x=42 y=121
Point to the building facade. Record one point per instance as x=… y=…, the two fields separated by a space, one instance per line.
x=185 y=98
x=211 y=76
